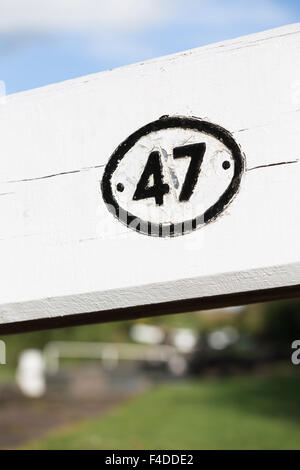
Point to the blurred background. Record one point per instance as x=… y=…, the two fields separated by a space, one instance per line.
x=208 y=380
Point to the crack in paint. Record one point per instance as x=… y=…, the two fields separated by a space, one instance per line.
x=54 y=175
x=272 y=164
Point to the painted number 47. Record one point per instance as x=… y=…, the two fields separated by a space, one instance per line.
x=154 y=168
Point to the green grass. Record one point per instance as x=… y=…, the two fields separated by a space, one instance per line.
x=238 y=413
x=7 y=374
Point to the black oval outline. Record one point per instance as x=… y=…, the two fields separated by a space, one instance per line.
x=166 y=122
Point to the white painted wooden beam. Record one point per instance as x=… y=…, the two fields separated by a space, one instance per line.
x=65 y=259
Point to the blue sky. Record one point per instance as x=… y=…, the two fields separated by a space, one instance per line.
x=46 y=41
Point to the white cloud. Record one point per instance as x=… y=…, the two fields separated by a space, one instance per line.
x=113 y=28
x=133 y=15
x=80 y=15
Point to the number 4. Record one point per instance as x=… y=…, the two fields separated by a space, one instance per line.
x=159 y=188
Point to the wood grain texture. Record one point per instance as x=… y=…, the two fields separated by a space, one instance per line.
x=66 y=260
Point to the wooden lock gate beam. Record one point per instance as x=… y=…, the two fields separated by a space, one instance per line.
x=209 y=137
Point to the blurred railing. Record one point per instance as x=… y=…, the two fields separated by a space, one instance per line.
x=109 y=353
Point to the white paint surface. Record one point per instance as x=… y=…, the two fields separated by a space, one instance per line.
x=63 y=253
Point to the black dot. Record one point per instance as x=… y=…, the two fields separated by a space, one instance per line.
x=120 y=187
x=226 y=165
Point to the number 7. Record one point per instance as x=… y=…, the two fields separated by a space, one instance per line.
x=196 y=153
